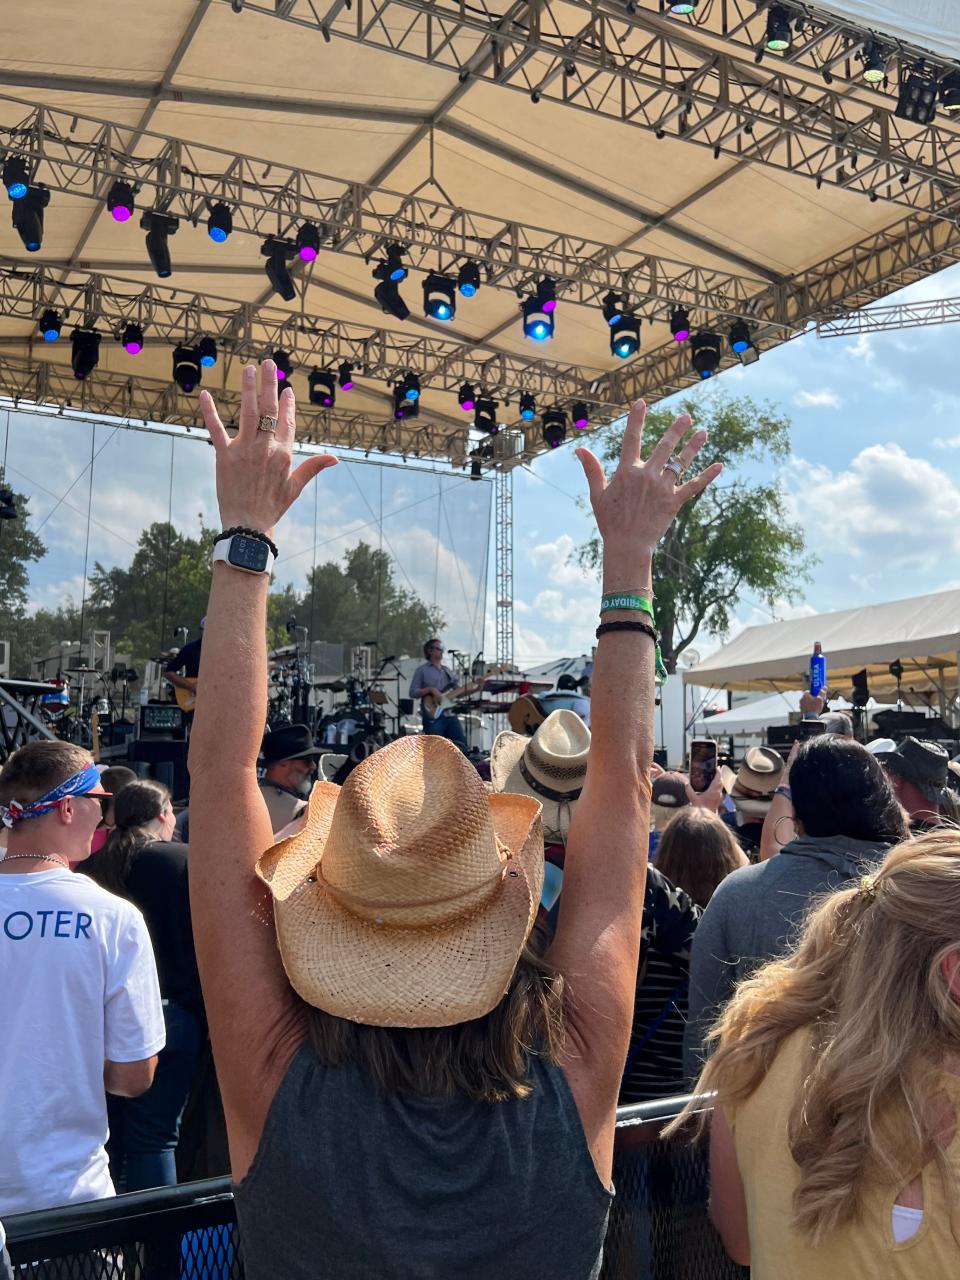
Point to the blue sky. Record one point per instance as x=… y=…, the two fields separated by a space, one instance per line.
x=873 y=479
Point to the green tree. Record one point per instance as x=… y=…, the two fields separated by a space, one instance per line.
x=362 y=600
x=19 y=545
x=735 y=539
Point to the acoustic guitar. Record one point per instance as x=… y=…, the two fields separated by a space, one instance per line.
x=187 y=698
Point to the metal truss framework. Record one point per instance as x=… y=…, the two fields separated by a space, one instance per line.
x=249 y=332
x=28 y=383
x=82 y=155
x=685 y=80
x=504 y=565
x=905 y=315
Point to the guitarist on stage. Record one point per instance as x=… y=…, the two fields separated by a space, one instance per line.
x=182 y=669
x=430 y=679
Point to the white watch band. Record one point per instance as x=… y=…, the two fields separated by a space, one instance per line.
x=221 y=552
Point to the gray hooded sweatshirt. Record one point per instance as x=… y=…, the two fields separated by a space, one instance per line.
x=754 y=916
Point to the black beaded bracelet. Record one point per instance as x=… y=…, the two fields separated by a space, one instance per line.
x=250 y=533
x=606 y=627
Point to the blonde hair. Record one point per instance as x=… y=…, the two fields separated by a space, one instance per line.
x=866 y=979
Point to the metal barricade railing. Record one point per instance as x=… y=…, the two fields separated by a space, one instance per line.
x=659 y=1228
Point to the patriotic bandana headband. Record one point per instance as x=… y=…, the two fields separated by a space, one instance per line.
x=81 y=784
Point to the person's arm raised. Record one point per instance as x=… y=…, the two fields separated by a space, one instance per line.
x=597 y=944
x=252 y=1011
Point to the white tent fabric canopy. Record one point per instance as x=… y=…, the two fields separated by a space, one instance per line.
x=931 y=24
x=754 y=717
x=922 y=632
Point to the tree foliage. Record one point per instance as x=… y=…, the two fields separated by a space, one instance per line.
x=735 y=540
x=19 y=546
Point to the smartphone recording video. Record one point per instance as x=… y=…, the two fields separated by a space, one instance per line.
x=810 y=729
x=703 y=763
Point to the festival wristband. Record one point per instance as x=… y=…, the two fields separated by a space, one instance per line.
x=628 y=600
x=659 y=670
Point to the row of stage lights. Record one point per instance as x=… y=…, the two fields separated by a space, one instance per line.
x=538 y=309
x=919 y=89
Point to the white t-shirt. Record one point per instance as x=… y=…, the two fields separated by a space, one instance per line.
x=78 y=986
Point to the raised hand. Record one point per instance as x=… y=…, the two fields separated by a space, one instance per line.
x=635 y=507
x=255 y=483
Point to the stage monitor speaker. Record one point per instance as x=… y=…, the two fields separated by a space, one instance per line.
x=167 y=762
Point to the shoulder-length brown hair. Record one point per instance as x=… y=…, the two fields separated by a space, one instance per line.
x=696 y=851
x=486 y=1059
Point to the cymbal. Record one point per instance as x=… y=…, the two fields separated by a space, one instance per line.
x=287 y=651
x=335 y=684
x=82 y=671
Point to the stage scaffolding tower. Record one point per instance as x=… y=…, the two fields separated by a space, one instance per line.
x=504 y=557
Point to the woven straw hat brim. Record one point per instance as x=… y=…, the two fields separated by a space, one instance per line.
x=391 y=976
x=506 y=778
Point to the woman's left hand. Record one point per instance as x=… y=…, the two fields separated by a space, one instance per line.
x=255 y=483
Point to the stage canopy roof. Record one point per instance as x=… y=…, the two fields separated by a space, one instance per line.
x=614 y=149
x=754 y=717
x=923 y=633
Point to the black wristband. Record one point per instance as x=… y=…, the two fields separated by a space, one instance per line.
x=606 y=627
x=250 y=533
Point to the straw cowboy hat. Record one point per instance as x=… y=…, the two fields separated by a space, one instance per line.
x=551 y=767
x=407 y=897
x=751 y=788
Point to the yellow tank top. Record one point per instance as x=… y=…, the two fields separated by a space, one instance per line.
x=865 y=1250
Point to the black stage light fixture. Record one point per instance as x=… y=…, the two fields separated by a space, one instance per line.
x=308 y=242
x=581 y=415
x=389 y=273
x=322 y=388
x=476 y=470
x=554 y=427
x=132 y=339
x=705 y=351
x=121 y=201
x=207 y=352
x=739 y=336
x=219 y=222
x=950 y=93
x=467 y=398
x=393 y=265
x=528 y=407
x=187 y=370
x=612 y=308
x=439 y=297
x=539 y=318
x=8 y=504
x=874 y=59
x=278 y=253
x=284 y=365
x=84 y=352
x=680 y=323
x=345 y=376
x=625 y=336
x=682 y=8
x=779 y=37
x=861 y=691
x=485 y=416
x=27 y=217
x=16 y=177
x=468 y=280
x=917 y=99
x=159 y=227
x=51 y=325
x=406 y=397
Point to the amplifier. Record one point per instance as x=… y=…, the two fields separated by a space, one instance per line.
x=166 y=761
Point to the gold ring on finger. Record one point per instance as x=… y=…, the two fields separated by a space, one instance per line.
x=266 y=423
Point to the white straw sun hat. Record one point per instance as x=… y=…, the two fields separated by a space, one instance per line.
x=408 y=896
x=551 y=767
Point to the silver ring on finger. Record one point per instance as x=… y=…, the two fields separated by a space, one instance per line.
x=266 y=423
x=676 y=466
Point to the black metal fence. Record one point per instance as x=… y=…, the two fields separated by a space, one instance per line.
x=658 y=1226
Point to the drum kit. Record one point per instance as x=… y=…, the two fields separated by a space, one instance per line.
x=81 y=716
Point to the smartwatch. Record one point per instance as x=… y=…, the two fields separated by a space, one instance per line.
x=250 y=555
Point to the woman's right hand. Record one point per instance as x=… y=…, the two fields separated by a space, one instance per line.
x=636 y=506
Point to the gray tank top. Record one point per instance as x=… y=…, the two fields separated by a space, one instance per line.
x=350 y=1185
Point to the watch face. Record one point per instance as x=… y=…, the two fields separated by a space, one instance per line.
x=248 y=553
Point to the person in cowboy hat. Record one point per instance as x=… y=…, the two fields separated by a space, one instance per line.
x=388 y=1048
x=751 y=790
x=918 y=772
x=290 y=757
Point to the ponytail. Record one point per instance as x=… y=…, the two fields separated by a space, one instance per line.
x=136 y=805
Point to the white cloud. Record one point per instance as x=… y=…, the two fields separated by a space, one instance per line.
x=948 y=442
x=862 y=349
x=885 y=506
x=553 y=560
x=822 y=399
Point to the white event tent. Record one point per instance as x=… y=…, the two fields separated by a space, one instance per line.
x=755 y=717
x=922 y=633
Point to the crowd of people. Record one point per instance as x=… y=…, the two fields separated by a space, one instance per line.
x=427 y=992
